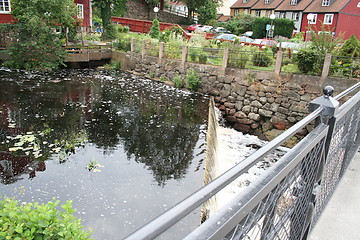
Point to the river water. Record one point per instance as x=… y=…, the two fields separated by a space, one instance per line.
x=123 y=148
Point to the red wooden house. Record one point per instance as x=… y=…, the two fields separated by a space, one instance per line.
x=340 y=17
x=84 y=13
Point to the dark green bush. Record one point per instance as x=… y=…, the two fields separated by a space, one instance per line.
x=308 y=61
x=155 y=29
x=261 y=59
x=282 y=27
x=178 y=82
x=192 y=80
x=39 y=221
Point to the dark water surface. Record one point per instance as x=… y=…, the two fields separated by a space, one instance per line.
x=121 y=147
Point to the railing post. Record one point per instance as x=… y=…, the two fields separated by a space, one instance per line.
x=143 y=50
x=161 y=52
x=225 y=60
x=326 y=67
x=185 y=50
x=132 y=45
x=279 y=56
x=331 y=107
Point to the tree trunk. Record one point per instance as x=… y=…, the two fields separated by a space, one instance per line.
x=106 y=16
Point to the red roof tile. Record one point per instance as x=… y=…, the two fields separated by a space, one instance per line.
x=248 y=4
x=285 y=5
x=335 y=6
x=271 y=5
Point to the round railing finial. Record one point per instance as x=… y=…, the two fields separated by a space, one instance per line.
x=328 y=91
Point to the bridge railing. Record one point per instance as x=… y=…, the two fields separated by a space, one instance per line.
x=285 y=201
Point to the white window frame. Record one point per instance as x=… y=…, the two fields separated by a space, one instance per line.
x=293 y=2
x=257 y=13
x=331 y=18
x=313 y=21
x=236 y=11
x=267 y=1
x=8 y=6
x=80 y=11
x=245 y=1
x=295 y=16
x=325 y=3
x=282 y=15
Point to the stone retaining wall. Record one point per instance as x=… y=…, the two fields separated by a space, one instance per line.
x=260 y=103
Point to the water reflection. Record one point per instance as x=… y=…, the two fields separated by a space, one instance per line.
x=149 y=138
x=156 y=125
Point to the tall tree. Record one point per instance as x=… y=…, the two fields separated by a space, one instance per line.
x=37 y=45
x=109 y=8
x=207 y=12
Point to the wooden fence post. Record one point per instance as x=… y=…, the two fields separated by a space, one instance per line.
x=185 y=50
x=161 y=52
x=225 y=60
x=143 y=50
x=279 y=56
x=132 y=45
x=326 y=67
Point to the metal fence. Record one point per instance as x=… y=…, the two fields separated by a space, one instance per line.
x=287 y=200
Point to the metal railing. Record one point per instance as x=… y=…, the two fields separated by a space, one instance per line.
x=285 y=201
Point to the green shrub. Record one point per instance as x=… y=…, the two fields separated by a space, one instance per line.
x=198 y=55
x=238 y=59
x=123 y=44
x=261 y=59
x=178 y=82
x=308 y=61
x=192 y=80
x=155 y=29
x=111 y=32
x=39 y=221
x=282 y=27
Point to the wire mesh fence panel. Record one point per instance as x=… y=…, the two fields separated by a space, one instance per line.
x=172 y=51
x=283 y=213
x=289 y=64
x=214 y=55
x=252 y=59
x=152 y=48
x=137 y=46
x=343 y=147
x=197 y=55
x=123 y=44
x=342 y=66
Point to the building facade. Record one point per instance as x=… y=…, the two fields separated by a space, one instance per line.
x=84 y=13
x=339 y=17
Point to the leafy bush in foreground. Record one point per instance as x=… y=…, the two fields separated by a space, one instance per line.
x=39 y=221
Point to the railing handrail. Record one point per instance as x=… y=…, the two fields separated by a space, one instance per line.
x=179 y=211
x=167 y=219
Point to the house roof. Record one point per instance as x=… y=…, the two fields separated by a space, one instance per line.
x=223 y=18
x=241 y=4
x=260 y=5
x=335 y=6
x=301 y=6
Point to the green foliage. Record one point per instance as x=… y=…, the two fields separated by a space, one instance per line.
x=308 y=60
x=207 y=12
x=178 y=82
x=239 y=59
x=298 y=37
x=282 y=27
x=261 y=59
x=111 y=31
x=192 y=80
x=123 y=43
x=170 y=33
x=198 y=55
x=155 y=29
x=105 y=9
x=239 y=24
x=322 y=40
x=37 y=46
x=39 y=221
x=351 y=48
x=122 y=29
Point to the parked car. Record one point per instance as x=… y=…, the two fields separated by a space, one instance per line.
x=264 y=42
x=245 y=39
x=290 y=45
x=219 y=30
x=192 y=27
x=225 y=37
x=248 y=34
x=203 y=28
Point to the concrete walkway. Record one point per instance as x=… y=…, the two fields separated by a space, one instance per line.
x=341 y=217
